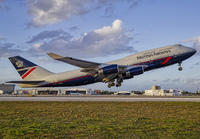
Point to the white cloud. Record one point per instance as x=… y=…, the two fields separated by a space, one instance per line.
x=105 y=41
x=176 y=80
x=101 y=42
x=53 y=11
x=74 y=28
x=110 y=30
x=37 y=45
x=8 y=49
x=46 y=35
x=135 y=3
x=166 y=80
x=2 y=38
x=3 y=6
x=198 y=63
x=191 y=81
x=196 y=43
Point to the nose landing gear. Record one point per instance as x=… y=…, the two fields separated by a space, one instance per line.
x=180 y=68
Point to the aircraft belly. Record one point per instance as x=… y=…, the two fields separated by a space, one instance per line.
x=76 y=81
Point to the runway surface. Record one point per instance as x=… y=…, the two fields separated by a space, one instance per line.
x=100 y=98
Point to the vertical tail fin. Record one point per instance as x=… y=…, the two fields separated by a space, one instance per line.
x=28 y=70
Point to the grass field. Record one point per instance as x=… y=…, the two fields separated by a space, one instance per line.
x=99 y=120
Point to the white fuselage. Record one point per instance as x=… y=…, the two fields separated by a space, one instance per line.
x=154 y=58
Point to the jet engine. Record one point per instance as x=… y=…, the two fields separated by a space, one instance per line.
x=132 y=72
x=109 y=69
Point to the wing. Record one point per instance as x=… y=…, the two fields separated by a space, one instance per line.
x=106 y=72
x=75 y=62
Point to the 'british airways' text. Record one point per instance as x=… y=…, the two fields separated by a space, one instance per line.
x=153 y=54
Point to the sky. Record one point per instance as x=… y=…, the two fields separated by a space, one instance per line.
x=101 y=31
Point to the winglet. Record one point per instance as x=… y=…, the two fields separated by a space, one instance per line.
x=54 y=56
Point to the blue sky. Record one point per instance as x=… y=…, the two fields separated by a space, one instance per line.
x=101 y=31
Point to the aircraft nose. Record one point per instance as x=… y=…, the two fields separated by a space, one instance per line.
x=193 y=51
x=189 y=51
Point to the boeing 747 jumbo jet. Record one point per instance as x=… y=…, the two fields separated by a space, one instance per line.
x=113 y=72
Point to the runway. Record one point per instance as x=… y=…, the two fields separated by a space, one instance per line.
x=101 y=98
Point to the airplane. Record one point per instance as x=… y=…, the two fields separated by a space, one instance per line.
x=113 y=72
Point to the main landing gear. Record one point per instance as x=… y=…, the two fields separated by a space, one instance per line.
x=110 y=84
x=118 y=83
x=180 y=68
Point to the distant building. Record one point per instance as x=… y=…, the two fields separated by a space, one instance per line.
x=54 y=91
x=176 y=92
x=97 y=92
x=1 y=92
x=45 y=91
x=77 y=91
x=124 y=93
x=157 y=91
x=22 y=92
x=7 y=88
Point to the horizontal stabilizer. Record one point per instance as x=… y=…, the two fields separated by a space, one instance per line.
x=25 y=82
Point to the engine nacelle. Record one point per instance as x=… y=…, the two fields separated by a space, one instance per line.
x=109 y=70
x=133 y=71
